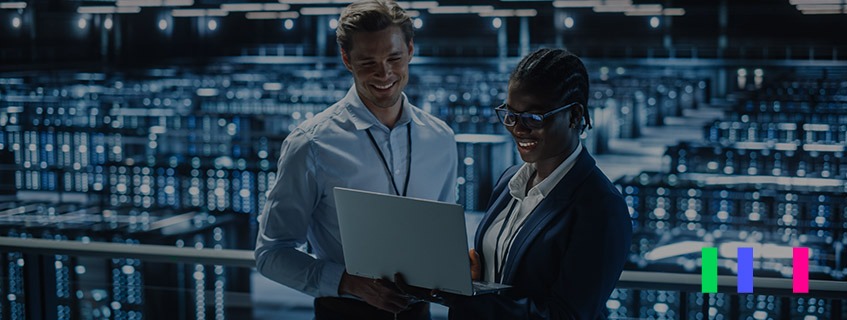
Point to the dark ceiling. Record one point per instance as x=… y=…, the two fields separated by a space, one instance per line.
x=753 y=24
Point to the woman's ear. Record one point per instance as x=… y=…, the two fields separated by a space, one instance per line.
x=576 y=115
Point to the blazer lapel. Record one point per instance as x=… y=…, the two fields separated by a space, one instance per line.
x=555 y=203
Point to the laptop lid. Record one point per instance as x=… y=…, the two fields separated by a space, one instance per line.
x=422 y=239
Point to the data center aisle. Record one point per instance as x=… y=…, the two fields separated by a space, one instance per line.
x=627 y=157
x=631 y=156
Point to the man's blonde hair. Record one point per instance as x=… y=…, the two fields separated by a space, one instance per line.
x=371 y=16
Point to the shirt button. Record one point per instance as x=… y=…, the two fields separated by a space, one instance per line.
x=397 y=171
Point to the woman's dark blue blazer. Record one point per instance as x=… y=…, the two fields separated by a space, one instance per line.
x=568 y=256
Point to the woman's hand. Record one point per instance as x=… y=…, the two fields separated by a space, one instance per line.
x=476 y=266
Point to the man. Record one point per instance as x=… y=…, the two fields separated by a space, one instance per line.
x=373 y=139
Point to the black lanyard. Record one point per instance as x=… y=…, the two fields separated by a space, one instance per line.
x=408 y=158
x=498 y=266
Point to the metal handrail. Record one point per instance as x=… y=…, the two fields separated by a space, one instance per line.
x=245 y=258
x=727 y=283
x=146 y=252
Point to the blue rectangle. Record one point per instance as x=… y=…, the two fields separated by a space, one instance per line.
x=745 y=270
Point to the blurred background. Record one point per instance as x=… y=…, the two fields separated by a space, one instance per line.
x=144 y=134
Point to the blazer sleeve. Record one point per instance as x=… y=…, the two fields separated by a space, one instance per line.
x=589 y=271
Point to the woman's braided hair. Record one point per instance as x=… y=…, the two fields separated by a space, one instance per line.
x=555 y=73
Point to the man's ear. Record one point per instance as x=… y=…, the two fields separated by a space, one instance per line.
x=345 y=57
x=411 y=46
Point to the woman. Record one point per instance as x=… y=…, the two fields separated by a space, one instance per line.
x=556 y=229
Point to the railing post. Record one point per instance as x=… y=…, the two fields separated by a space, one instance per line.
x=836 y=311
x=735 y=306
x=36 y=297
x=785 y=308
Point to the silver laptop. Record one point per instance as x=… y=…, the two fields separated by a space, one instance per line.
x=424 y=240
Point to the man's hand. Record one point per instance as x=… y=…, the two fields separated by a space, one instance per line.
x=380 y=293
x=476 y=266
x=433 y=295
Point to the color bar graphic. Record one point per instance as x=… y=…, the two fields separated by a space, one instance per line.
x=709 y=275
x=745 y=270
x=801 y=270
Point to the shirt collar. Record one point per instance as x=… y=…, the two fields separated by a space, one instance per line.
x=363 y=119
x=518 y=183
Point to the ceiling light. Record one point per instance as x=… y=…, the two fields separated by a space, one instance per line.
x=498 y=13
x=154 y=3
x=178 y=3
x=305 y=1
x=526 y=13
x=138 y=3
x=96 y=9
x=509 y=13
x=128 y=10
x=821 y=11
x=818 y=7
x=673 y=12
x=460 y=9
x=613 y=8
x=198 y=13
x=12 y=5
x=243 y=7
x=240 y=7
x=423 y=4
x=272 y=15
x=275 y=7
x=796 y=2
x=318 y=11
x=642 y=13
x=576 y=3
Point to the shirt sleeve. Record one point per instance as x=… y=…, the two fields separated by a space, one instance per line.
x=449 y=191
x=286 y=218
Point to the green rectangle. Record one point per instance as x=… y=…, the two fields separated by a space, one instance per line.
x=709 y=276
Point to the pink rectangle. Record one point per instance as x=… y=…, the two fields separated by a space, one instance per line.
x=801 y=270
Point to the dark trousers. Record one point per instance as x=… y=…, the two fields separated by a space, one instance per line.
x=345 y=308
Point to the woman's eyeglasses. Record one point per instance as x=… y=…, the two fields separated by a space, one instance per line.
x=528 y=120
